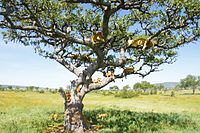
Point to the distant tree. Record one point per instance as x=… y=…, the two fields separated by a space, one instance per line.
x=56 y=90
x=190 y=82
x=126 y=87
x=2 y=88
x=115 y=87
x=47 y=88
x=198 y=81
x=172 y=93
x=17 y=88
x=137 y=85
x=30 y=88
x=10 y=87
x=53 y=90
x=178 y=87
x=160 y=87
x=144 y=85
x=60 y=88
x=37 y=88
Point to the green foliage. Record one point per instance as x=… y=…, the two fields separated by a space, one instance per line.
x=124 y=93
x=10 y=88
x=160 y=87
x=126 y=87
x=144 y=85
x=30 y=88
x=172 y=94
x=115 y=87
x=43 y=23
x=153 y=91
x=41 y=91
x=2 y=88
x=190 y=82
x=53 y=91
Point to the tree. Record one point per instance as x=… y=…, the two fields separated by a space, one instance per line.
x=2 y=88
x=160 y=87
x=126 y=87
x=37 y=88
x=144 y=85
x=90 y=36
x=190 y=82
x=10 y=87
x=115 y=87
x=137 y=85
x=30 y=88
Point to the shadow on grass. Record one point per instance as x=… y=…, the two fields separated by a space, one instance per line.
x=118 y=121
x=191 y=94
x=128 y=121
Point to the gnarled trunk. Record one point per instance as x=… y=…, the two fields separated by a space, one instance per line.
x=74 y=120
x=73 y=117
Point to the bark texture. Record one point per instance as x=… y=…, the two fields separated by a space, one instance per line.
x=74 y=120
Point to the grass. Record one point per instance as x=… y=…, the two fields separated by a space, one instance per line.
x=155 y=103
x=29 y=112
x=129 y=121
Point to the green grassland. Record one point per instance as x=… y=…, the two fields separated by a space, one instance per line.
x=27 y=112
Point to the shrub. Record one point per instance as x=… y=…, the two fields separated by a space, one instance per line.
x=41 y=91
x=2 y=89
x=153 y=92
x=172 y=94
x=53 y=91
x=126 y=93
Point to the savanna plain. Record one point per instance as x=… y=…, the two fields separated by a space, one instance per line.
x=34 y=112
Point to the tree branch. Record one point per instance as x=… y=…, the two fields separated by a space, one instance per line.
x=72 y=68
x=100 y=85
x=62 y=93
x=95 y=2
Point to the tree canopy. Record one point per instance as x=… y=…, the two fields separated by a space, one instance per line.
x=144 y=85
x=62 y=30
x=113 y=37
x=190 y=82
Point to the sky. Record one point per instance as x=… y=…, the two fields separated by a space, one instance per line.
x=20 y=65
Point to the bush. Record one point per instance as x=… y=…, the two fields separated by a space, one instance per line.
x=2 y=89
x=126 y=94
x=41 y=91
x=53 y=91
x=153 y=92
x=172 y=94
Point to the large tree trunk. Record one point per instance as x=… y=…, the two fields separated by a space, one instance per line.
x=74 y=120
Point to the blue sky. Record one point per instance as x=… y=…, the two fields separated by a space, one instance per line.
x=20 y=65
